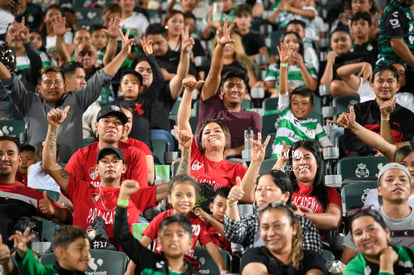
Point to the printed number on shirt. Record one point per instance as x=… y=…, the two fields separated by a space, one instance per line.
x=195 y=229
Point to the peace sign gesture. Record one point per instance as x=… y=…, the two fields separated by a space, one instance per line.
x=126 y=42
x=187 y=42
x=224 y=33
x=146 y=46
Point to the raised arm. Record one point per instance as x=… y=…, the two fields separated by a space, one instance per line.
x=310 y=82
x=328 y=74
x=59 y=28
x=113 y=66
x=347 y=120
x=386 y=108
x=4 y=72
x=184 y=111
x=182 y=71
x=347 y=73
x=214 y=75
x=55 y=118
x=284 y=53
x=185 y=139
x=112 y=31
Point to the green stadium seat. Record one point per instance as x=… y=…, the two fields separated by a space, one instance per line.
x=360 y=167
x=207 y=265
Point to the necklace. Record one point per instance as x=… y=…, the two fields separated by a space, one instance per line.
x=103 y=205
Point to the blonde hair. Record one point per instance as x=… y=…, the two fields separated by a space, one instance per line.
x=239 y=54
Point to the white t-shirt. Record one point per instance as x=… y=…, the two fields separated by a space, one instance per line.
x=38 y=178
x=137 y=23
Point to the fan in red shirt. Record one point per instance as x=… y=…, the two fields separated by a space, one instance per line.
x=88 y=200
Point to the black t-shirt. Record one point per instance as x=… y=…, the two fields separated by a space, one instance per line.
x=367 y=50
x=252 y=42
x=311 y=260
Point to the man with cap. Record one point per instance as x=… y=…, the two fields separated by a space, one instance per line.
x=91 y=201
x=233 y=90
x=109 y=126
x=394 y=186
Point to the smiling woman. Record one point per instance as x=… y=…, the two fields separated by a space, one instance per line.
x=281 y=233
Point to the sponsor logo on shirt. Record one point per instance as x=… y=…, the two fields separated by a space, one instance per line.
x=196 y=165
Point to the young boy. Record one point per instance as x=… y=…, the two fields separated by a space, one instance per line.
x=71 y=247
x=27 y=158
x=294 y=124
x=215 y=222
x=99 y=40
x=253 y=43
x=174 y=239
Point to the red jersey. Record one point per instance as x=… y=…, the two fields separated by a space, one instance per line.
x=310 y=204
x=198 y=227
x=218 y=239
x=216 y=173
x=90 y=201
x=82 y=164
x=140 y=145
x=22 y=178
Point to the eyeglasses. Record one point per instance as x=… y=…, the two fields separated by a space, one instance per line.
x=368 y=210
x=231 y=85
x=49 y=83
x=142 y=69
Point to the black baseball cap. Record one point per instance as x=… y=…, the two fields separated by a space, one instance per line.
x=110 y=150
x=112 y=110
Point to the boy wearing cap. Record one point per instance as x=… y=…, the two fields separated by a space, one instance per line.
x=394 y=185
x=90 y=201
x=109 y=126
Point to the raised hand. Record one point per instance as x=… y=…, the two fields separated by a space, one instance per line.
x=113 y=27
x=128 y=188
x=346 y=120
x=298 y=59
x=190 y=83
x=56 y=116
x=126 y=42
x=224 y=34
x=185 y=138
x=59 y=25
x=20 y=240
x=23 y=31
x=330 y=57
x=259 y=149
x=146 y=46
x=366 y=72
x=187 y=42
x=236 y=192
x=284 y=52
x=387 y=107
x=46 y=206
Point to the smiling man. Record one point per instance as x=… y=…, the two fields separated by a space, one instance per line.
x=233 y=90
x=381 y=115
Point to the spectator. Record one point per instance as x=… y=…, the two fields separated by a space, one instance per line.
x=271 y=187
x=28 y=61
x=71 y=248
x=394 y=186
x=74 y=75
x=90 y=201
x=182 y=195
x=394 y=41
x=52 y=94
x=282 y=237
x=135 y=21
x=18 y=200
x=299 y=72
x=99 y=41
x=253 y=43
x=319 y=203
x=360 y=31
x=174 y=24
x=38 y=42
x=206 y=156
x=294 y=124
x=137 y=143
x=233 y=91
x=381 y=115
x=172 y=228
x=309 y=53
x=368 y=223
x=173 y=75
x=235 y=59
x=27 y=158
x=110 y=12
x=215 y=221
x=110 y=127
x=199 y=8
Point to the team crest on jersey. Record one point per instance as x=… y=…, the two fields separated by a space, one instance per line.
x=93 y=173
x=196 y=165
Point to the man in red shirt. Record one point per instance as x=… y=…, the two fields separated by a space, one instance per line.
x=90 y=201
x=109 y=125
x=18 y=200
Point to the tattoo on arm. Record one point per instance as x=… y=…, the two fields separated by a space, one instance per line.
x=64 y=174
x=184 y=167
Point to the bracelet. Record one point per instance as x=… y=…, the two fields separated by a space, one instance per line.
x=383 y=119
x=284 y=65
x=231 y=203
x=123 y=202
